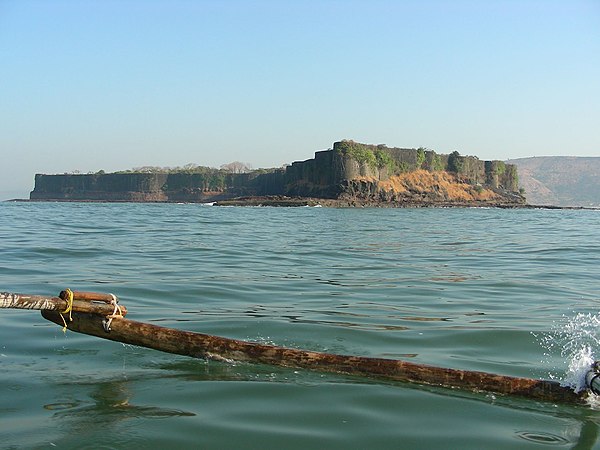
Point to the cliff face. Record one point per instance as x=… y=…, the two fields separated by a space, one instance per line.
x=349 y=171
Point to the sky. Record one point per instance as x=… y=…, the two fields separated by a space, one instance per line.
x=112 y=85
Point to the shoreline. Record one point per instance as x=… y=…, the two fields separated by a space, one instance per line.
x=293 y=202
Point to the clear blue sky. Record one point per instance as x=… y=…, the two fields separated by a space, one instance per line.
x=89 y=85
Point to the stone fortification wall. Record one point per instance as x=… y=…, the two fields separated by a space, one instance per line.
x=311 y=178
x=317 y=170
x=353 y=160
x=208 y=186
x=350 y=160
x=203 y=185
x=112 y=186
x=327 y=175
x=269 y=183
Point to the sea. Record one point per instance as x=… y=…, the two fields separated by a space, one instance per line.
x=506 y=291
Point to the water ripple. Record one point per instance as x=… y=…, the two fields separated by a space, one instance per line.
x=461 y=288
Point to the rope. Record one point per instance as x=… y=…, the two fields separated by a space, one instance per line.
x=69 y=309
x=117 y=313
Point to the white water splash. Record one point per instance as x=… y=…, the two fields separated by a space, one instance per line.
x=577 y=338
x=582 y=333
x=579 y=365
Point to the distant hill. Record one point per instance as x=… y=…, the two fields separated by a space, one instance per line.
x=560 y=180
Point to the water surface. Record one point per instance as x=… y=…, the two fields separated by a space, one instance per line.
x=474 y=289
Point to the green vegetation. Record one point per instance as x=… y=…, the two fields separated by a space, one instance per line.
x=456 y=162
x=359 y=152
x=218 y=179
x=512 y=175
x=500 y=167
x=188 y=168
x=235 y=167
x=193 y=176
x=436 y=163
x=375 y=158
x=403 y=167
x=385 y=160
x=420 y=157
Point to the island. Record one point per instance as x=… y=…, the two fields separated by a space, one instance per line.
x=348 y=174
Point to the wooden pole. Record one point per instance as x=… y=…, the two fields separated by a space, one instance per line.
x=90 y=296
x=217 y=348
x=44 y=303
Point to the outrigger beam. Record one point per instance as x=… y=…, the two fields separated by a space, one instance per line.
x=87 y=302
x=98 y=315
x=206 y=346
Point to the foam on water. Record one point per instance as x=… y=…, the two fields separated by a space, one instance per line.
x=577 y=338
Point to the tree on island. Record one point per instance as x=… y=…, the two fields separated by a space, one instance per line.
x=455 y=162
x=236 y=167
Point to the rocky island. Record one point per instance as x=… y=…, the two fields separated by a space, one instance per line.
x=349 y=174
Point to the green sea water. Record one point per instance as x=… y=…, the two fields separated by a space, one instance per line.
x=478 y=289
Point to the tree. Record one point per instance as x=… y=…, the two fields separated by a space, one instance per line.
x=384 y=159
x=420 y=157
x=455 y=162
x=236 y=167
x=190 y=167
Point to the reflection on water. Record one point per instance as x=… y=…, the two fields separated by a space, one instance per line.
x=108 y=401
x=100 y=416
x=588 y=437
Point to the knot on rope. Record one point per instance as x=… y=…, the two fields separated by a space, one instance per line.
x=117 y=313
x=68 y=310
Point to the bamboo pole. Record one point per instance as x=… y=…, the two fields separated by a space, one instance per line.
x=45 y=303
x=217 y=348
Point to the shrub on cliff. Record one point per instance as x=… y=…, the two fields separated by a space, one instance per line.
x=437 y=164
x=455 y=162
x=420 y=157
x=359 y=152
x=384 y=160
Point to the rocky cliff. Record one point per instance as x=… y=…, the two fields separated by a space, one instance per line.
x=350 y=172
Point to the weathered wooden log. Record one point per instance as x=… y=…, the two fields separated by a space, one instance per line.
x=217 y=348
x=44 y=303
x=90 y=296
